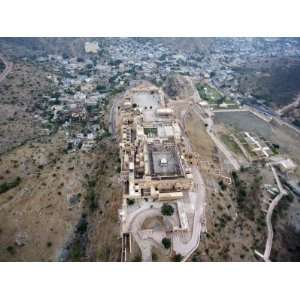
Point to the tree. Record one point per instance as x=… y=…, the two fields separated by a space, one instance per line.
x=130 y=201
x=101 y=88
x=82 y=227
x=166 y=242
x=178 y=257
x=11 y=250
x=137 y=258
x=5 y=186
x=222 y=185
x=167 y=210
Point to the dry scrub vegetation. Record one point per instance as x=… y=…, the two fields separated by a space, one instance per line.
x=235 y=223
x=20 y=93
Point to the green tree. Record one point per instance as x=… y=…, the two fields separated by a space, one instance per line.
x=166 y=242
x=178 y=257
x=130 y=201
x=167 y=210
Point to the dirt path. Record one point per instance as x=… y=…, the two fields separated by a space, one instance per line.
x=7 y=70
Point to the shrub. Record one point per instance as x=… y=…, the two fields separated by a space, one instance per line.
x=167 y=210
x=130 y=201
x=137 y=258
x=82 y=227
x=101 y=88
x=91 y=196
x=5 y=186
x=178 y=257
x=222 y=185
x=11 y=249
x=166 y=242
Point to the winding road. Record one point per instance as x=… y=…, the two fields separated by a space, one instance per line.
x=186 y=249
x=274 y=203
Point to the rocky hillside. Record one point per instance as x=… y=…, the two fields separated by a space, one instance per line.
x=178 y=87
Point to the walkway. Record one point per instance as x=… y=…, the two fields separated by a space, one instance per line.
x=186 y=249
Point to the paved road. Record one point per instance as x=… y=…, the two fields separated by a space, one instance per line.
x=135 y=220
x=274 y=203
x=7 y=70
x=186 y=249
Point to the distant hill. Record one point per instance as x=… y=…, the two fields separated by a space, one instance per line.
x=177 y=86
x=19 y=47
x=276 y=81
x=189 y=44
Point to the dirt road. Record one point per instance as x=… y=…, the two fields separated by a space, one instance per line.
x=7 y=70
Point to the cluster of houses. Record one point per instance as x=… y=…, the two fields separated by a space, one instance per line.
x=83 y=84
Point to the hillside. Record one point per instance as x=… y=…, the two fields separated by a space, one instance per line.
x=277 y=81
x=19 y=47
x=178 y=87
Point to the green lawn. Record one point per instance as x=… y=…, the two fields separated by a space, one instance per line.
x=231 y=144
x=209 y=94
x=212 y=95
